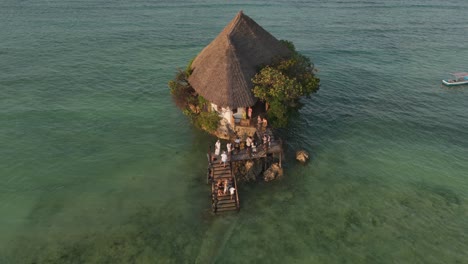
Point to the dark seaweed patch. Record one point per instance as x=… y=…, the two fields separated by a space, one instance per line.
x=450 y=197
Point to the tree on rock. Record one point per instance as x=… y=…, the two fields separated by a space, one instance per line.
x=283 y=83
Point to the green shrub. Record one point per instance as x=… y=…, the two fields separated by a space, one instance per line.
x=283 y=83
x=278 y=114
x=208 y=121
x=188 y=69
x=182 y=93
x=191 y=103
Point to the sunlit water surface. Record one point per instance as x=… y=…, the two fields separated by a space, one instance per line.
x=98 y=166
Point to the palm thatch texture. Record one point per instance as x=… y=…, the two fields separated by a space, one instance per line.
x=223 y=70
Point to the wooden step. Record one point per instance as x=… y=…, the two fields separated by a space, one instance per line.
x=219 y=210
x=221 y=172
x=217 y=165
x=230 y=208
x=226 y=202
x=222 y=177
x=226 y=196
x=225 y=205
x=221 y=169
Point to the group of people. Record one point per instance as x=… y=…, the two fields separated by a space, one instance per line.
x=224 y=187
x=230 y=148
x=249 y=145
x=235 y=147
x=261 y=122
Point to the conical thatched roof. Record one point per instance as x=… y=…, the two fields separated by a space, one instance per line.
x=223 y=70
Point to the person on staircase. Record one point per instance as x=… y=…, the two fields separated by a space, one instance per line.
x=232 y=190
x=224 y=158
x=219 y=186
x=226 y=186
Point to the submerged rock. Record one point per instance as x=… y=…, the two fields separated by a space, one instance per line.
x=302 y=156
x=253 y=169
x=248 y=170
x=274 y=172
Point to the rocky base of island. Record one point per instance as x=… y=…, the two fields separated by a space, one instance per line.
x=254 y=170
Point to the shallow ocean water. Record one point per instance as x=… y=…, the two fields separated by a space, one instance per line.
x=98 y=165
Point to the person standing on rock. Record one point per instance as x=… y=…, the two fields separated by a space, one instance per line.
x=249 y=112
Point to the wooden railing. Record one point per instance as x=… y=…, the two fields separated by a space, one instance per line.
x=237 y=190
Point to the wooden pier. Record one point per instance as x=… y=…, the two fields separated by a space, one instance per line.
x=218 y=173
x=221 y=198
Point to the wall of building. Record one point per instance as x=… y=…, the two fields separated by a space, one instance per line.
x=227 y=113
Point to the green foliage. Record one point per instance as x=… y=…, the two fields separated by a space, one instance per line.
x=283 y=83
x=288 y=44
x=208 y=121
x=188 y=69
x=181 y=91
x=192 y=105
x=203 y=103
x=278 y=114
x=273 y=85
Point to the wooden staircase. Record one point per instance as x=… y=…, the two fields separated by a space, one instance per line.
x=224 y=202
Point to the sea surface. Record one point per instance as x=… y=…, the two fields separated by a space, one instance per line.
x=97 y=165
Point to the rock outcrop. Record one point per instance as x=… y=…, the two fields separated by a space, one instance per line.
x=248 y=170
x=274 y=172
x=302 y=156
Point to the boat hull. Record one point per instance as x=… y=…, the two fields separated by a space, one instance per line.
x=454 y=83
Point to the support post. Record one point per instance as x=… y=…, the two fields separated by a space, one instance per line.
x=281 y=154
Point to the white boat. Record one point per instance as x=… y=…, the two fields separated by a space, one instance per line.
x=458 y=79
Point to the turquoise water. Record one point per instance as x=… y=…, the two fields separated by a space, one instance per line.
x=98 y=166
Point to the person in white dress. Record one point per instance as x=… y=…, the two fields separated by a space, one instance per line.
x=217 y=147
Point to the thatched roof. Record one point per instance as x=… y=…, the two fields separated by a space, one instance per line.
x=223 y=70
